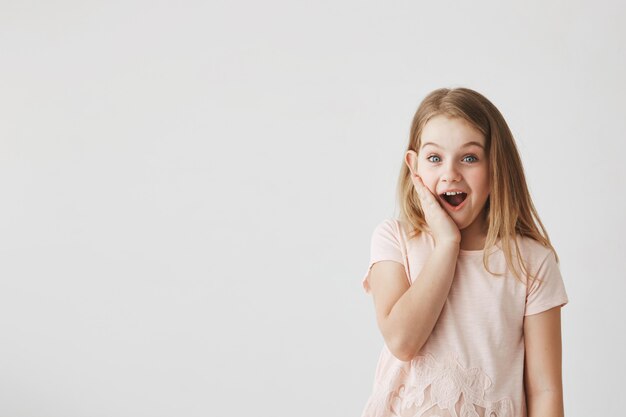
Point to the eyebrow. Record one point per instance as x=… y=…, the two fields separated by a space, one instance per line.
x=464 y=145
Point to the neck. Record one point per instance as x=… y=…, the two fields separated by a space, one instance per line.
x=473 y=237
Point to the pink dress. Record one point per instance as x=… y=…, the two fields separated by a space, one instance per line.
x=472 y=364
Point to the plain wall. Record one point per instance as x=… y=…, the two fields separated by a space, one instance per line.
x=189 y=191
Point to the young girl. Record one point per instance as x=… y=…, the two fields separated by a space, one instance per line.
x=466 y=284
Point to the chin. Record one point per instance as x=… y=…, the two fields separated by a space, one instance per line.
x=461 y=227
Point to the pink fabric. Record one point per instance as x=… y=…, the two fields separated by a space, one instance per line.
x=473 y=362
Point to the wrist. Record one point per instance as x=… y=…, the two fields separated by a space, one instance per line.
x=448 y=244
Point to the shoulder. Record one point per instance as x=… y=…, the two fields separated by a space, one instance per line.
x=391 y=230
x=540 y=263
x=400 y=229
x=388 y=223
x=389 y=226
x=534 y=252
x=401 y=234
x=393 y=223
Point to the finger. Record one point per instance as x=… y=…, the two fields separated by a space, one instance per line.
x=425 y=194
x=417 y=182
x=421 y=187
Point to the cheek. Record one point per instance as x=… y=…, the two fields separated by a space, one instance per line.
x=428 y=179
x=431 y=185
x=481 y=185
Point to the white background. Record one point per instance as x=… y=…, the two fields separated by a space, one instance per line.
x=189 y=191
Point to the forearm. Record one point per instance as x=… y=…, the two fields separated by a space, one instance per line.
x=547 y=404
x=413 y=317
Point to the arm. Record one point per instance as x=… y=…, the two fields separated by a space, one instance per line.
x=406 y=314
x=542 y=368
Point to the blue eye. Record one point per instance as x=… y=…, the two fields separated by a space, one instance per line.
x=467 y=156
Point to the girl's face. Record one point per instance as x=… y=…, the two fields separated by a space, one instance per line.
x=452 y=158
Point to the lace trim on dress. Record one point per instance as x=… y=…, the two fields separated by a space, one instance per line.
x=414 y=388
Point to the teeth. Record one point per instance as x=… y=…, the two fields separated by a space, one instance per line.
x=453 y=193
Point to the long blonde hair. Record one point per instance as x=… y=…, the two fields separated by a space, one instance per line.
x=509 y=209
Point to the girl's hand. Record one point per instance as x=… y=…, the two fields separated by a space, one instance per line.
x=439 y=221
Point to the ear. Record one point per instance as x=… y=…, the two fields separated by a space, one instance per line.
x=410 y=158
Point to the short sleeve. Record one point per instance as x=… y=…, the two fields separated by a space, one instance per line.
x=549 y=293
x=385 y=245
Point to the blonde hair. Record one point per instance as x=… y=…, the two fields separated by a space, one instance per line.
x=509 y=209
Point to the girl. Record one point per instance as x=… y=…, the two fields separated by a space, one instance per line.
x=466 y=284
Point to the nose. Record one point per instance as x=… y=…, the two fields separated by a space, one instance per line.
x=451 y=173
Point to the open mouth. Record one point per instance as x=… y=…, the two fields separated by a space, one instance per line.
x=454 y=200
